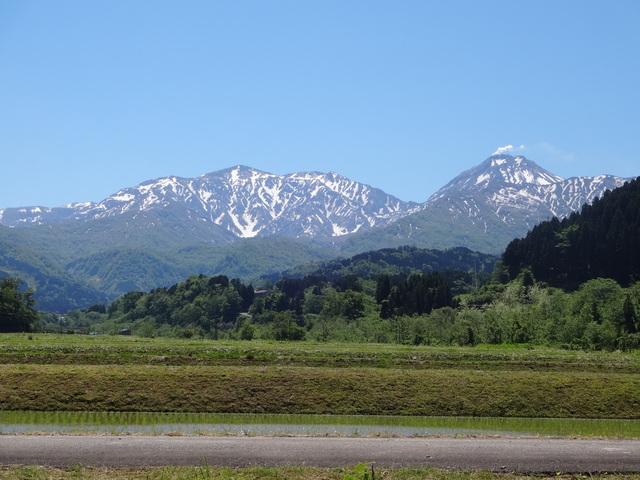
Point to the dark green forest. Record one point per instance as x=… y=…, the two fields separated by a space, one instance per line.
x=601 y=241
x=396 y=261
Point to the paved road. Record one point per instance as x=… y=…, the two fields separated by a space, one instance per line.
x=497 y=454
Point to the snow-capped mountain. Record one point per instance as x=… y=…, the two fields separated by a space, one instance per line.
x=499 y=171
x=243 y=201
x=498 y=200
x=518 y=190
x=487 y=206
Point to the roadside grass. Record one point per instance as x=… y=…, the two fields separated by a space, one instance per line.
x=205 y=472
x=315 y=390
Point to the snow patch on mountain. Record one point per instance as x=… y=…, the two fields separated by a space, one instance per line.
x=244 y=201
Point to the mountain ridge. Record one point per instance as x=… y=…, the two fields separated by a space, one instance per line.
x=244 y=201
x=248 y=202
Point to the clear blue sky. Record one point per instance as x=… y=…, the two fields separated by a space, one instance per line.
x=402 y=95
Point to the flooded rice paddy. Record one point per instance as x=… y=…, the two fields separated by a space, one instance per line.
x=125 y=423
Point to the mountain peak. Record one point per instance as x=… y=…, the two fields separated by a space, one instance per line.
x=500 y=170
x=519 y=170
x=499 y=159
x=235 y=171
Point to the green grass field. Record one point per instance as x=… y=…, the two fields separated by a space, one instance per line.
x=319 y=390
x=122 y=350
x=102 y=380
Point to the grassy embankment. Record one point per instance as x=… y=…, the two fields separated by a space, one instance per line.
x=79 y=373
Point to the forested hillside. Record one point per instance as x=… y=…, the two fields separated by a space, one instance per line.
x=61 y=283
x=347 y=308
x=603 y=240
x=57 y=290
x=413 y=309
x=398 y=261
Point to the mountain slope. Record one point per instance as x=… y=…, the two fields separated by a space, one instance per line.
x=395 y=261
x=56 y=289
x=118 y=271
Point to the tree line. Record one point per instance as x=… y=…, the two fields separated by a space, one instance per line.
x=416 y=309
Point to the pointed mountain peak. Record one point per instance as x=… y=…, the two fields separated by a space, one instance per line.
x=499 y=159
x=498 y=171
x=516 y=170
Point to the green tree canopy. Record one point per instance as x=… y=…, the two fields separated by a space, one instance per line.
x=17 y=312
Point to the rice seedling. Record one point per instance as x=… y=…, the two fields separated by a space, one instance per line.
x=247 y=424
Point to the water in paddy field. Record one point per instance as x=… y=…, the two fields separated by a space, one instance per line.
x=249 y=429
x=318 y=425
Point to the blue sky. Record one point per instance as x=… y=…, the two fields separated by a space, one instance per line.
x=402 y=95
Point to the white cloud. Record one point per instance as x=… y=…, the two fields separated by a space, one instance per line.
x=502 y=150
x=507 y=148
